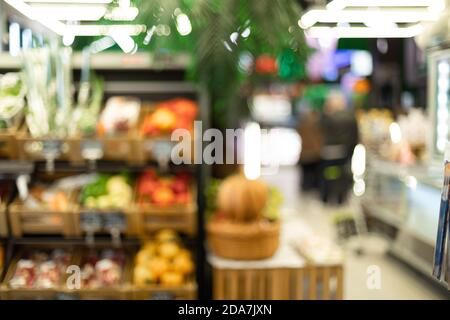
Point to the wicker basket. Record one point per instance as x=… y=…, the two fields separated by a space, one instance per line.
x=243 y=241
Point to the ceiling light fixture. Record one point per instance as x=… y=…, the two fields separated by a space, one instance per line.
x=122 y=14
x=342 y=4
x=71 y=1
x=312 y=17
x=71 y=12
x=54 y=25
x=99 y=30
x=364 y=32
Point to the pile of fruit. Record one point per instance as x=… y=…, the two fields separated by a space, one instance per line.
x=168 y=116
x=41 y=269
x=119 y=116
x=102 y=268
x=49 y=198
x=107 y=192
x=163 y=261
x=163 y=191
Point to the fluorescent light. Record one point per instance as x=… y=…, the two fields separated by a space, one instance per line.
x=14 y=39
x=395 y=132
x=68 y=39
x=71 y=12
x=60 y=28
x=364 y=32
x=123 y=39
x=122 y=14
x=361 y=63
x=98 y=30
x=101 y=44
x=54 y=25
x=27 y=38
x=358 y=163
x=342 y=4
x=381 y=16
x=183 y=24
x=71 y=1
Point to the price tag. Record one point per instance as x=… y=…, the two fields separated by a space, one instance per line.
x=92 y=149
x=91 y=221
x=162 y=148
x=162 y=296
x=51 y=148
x=114 y=221
x=64 y=296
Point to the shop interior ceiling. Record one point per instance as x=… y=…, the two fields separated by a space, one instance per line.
x=342 y=18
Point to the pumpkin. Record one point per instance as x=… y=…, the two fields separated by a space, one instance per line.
x=242 y=199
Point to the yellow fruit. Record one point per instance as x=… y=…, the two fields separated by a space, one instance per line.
x=158 y=266
x=143 y=256
x=150 y=247
x=166 y=235
x=168 y=250
x=172 y=278
x=143 y=276
x=184 y=252
x=183 y=264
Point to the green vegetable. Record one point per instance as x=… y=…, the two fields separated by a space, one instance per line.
x=272 y=210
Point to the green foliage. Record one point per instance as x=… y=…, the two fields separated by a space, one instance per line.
x=273 y=29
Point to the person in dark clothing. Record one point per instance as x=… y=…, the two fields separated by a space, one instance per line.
x=340 y=132
x=310 y=132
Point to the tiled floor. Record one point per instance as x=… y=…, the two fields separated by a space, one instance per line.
x=304 y=211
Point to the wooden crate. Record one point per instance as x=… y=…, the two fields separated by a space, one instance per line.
x=145 y=145
x=29 y=148
x=8 y=293
x=121 y=291
x=40 y=221
x=8 y=145
x=181 y=218
x=3 y=221
x=187 y=291
x=131 y=216
x=115 y=148
x=308 y=283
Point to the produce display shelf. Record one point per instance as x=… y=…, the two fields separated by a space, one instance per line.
x=125 y=290
x=69 y=162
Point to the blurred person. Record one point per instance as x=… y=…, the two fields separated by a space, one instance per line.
x=340 y=132
x=310 y=131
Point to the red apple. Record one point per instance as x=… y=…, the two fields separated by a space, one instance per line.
x=179 y=186
x=163 y=196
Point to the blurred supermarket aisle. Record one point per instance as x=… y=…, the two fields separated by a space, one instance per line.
x=303 y=212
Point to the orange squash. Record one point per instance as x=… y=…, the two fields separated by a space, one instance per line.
x=242 y=199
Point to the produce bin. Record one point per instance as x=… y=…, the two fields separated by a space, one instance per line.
x=32 y=293
x=30 y=148
x=3 y=221
x=8 y=145
x=119 y=291
x=41 y=221
x=178 y=217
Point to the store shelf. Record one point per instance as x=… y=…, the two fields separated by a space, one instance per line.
x=15 y=167
x=376 y=209
x=114 y=61
x=412 y=259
